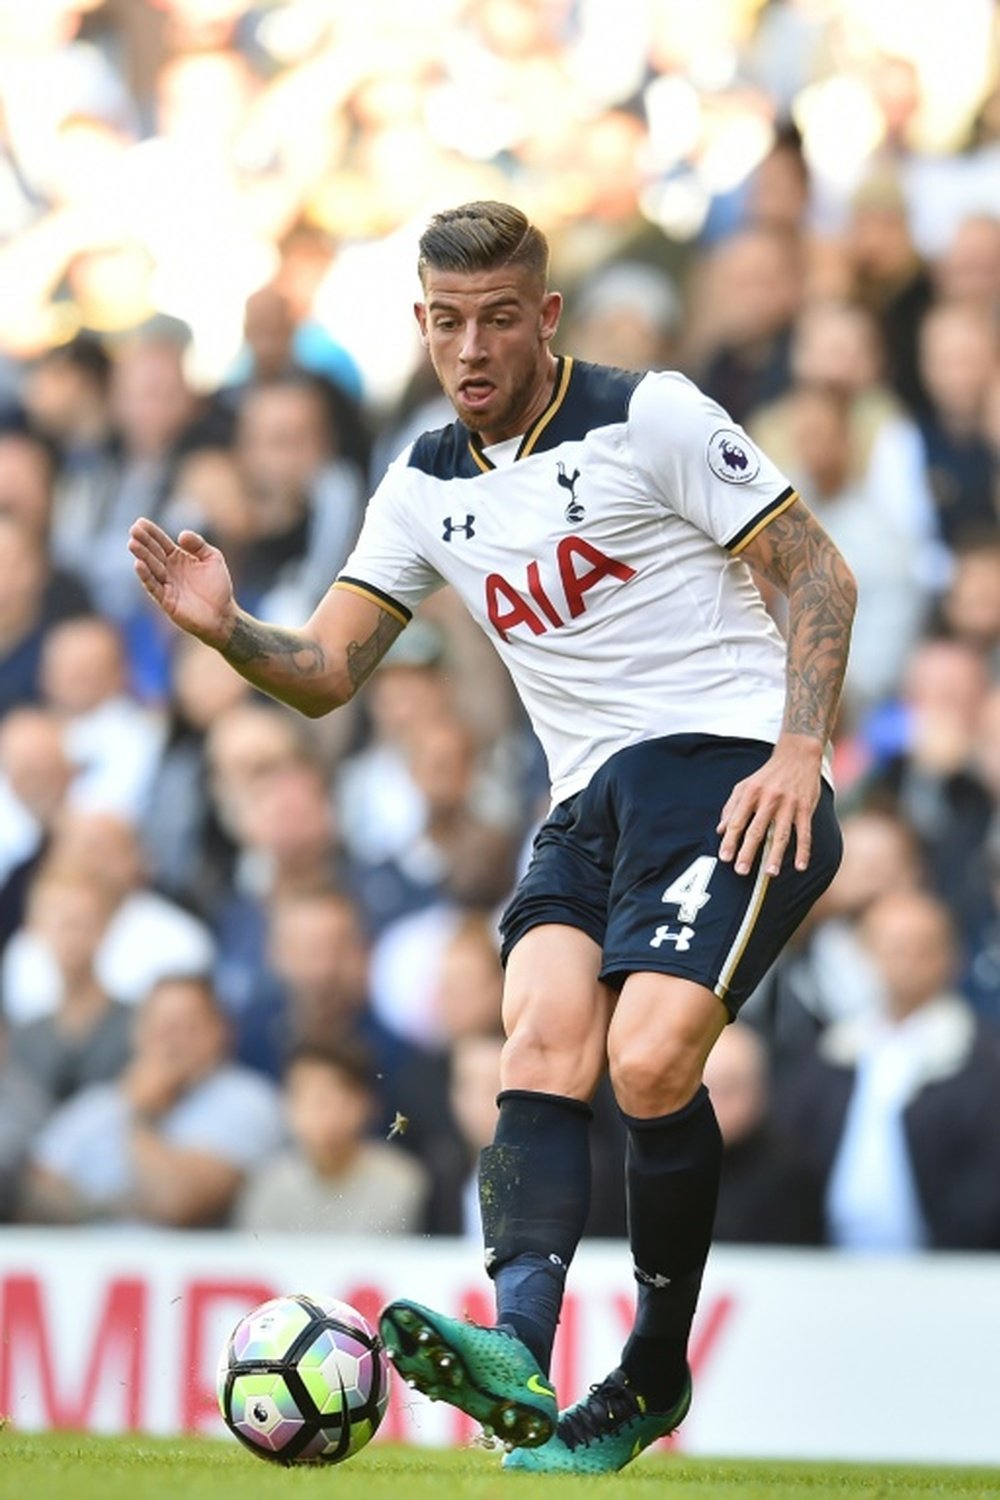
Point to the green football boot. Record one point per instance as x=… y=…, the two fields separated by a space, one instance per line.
x=486 y=1372
x=603 y=1432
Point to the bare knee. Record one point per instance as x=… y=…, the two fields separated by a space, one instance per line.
x=658 y=1043
x=648 y=1084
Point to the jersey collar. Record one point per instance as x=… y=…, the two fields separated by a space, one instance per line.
x=531 y=439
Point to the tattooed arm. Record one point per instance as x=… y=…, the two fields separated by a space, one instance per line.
x=321 y=666
x=795 y=554
x=314 y=669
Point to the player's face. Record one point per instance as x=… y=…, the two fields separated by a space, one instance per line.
x=487 y=333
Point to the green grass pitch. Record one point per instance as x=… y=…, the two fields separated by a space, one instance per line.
x=66 y=1467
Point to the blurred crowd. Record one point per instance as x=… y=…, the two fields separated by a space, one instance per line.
x=248 y=962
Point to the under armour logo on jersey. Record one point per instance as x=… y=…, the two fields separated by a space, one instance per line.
x=681 y=940
x=467 y=528
x=574 y=510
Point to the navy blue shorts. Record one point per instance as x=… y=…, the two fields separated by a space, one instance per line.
x=632 y=861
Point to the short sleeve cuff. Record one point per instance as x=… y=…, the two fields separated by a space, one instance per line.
x=756 y=524
x=377 y=596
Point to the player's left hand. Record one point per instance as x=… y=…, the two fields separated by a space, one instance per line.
x=781 y=796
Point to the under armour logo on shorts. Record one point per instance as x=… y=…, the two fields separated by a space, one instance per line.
x=681 y=940
x=649 y=1279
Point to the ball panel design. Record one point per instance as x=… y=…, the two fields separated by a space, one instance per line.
x=362 y=1432
x=326 y=1446
x=264 y=1411
x=303 y=1380
x=271 y=1330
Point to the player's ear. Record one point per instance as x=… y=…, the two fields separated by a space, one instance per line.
x=420 y=313
x=549 y=314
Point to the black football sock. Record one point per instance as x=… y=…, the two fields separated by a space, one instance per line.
x=672 y=1170
x=534 y=1194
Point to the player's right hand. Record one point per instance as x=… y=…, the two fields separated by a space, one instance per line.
x=188 y=579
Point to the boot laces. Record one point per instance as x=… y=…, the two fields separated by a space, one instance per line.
x=601 y=1414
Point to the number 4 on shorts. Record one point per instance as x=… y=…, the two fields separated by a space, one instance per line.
x=690 y=890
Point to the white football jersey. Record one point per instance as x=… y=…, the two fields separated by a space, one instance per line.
x=600 y=554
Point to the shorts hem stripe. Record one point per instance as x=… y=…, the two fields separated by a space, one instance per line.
x=746 y=927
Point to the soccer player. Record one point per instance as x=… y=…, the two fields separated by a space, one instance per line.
x=601 y=526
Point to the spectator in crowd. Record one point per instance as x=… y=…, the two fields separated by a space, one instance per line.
x=23 y=1108
x=113 y=740
x=187 y=852
x=976 y=902
x=311 y=989
x=628 y=315
x=67 y=396
x=928 y=776
x=244 y=744
x=306 y=254
x=981 y=977
x=958 y=353
x=269 y=331
x=27 y=477
x=25 y=611
x=755 y=286
x=779 y=191
x=823 y=976
x=381 y=810
x=968 y=271
x=288 y=844
x=27 y=473
x=890 y=278
x=333 y=1177
x=153 y=411
x=86 y=1038
x=891 y=603
x=171 y=1141
x=147 y=936
x=898 y=1109
x=442 y=761
x=768 y=1194
x=280 y=341
x=210 y=493
x=35 y=777
x=304 y=498
x=970 y=607
x=837 y=344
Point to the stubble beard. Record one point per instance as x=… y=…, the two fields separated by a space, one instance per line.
x=506 y=419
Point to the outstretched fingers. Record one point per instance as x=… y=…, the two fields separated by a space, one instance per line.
x=151 y=547
x=151 y=537
x=194 y=544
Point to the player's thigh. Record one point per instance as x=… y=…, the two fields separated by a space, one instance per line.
x=659 y=1039
x=675 y=908
x=555 y=1012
